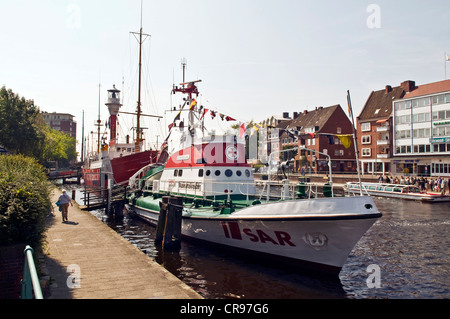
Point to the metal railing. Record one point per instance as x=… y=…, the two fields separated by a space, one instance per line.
x=262 y=190
x=30 y=279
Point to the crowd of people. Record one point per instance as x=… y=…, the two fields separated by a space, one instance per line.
x=435 y=184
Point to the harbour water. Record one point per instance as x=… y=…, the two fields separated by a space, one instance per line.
x=406 y=252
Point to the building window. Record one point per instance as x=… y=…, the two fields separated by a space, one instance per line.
x=338 y=130
x=366 y=139
x=365 y=127
x=365 y=152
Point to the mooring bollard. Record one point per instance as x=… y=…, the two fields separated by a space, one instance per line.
x=161 y=220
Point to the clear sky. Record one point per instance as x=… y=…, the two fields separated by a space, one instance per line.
x=256 y=58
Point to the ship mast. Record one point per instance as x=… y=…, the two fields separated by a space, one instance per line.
x=142 y=38
x=99 y=122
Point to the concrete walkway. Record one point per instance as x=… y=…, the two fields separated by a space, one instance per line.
x=102 y=264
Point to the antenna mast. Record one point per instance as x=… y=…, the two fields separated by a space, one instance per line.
x=183 y=65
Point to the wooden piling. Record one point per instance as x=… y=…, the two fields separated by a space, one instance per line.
x=161 y=220
x=172 y=231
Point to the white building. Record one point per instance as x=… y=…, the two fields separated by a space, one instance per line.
x=421 y=121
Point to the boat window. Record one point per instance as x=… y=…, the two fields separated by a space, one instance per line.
x=388 y=189
x=380 y=188
x=247 y=173
x=228 y=173
x=372 y=188
x=397 y=189
x=217 y=172
x=175 y=173
x=238 y=173
x=200 y=173
x=180 y=172
x=208 y=172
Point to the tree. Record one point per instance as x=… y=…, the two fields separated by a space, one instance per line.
x=21 y=129
x=59 y=147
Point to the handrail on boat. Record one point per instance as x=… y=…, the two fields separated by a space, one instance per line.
x=286 y=190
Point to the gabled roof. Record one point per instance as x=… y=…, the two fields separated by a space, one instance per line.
x=430 y=88
x=307 y=119
x=379 y=103
x=317 y=117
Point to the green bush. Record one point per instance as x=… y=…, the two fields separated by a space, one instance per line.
x=24 y=200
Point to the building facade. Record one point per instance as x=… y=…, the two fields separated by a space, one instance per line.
x=62 y=122
x=374 y=130
x=406 y=130
x=316 y=132
x=421 y=121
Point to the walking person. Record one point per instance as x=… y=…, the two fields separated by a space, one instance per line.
x=64 y=201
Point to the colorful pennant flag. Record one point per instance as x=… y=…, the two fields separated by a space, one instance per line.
x=193 y=104
x=242 y=130
x=204 y=112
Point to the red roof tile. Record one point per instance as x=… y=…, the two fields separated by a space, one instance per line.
x=429 y=88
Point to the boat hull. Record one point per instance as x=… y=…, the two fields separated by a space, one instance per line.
x=125 y=167
x=122 y=168
x=417 y=196
x=316 y=240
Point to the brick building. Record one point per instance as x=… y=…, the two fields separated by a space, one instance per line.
x=317 y=130
x=374 y=129
x=62 y=122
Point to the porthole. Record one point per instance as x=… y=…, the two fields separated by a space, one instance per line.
x=200 y=172
x=217 y=172
x=180 y=172
x=208 y=172
x=238 y=173
x=247 y=173
x=228 y=173
x=175 y=173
